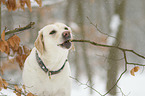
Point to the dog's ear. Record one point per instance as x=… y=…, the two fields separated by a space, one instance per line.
x=39 y=44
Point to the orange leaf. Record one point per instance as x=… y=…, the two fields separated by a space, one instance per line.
x=39 y=2
x=17 y=88
x=1 y=82
x=5 y=84
x=1 y=70
x=28 y=3
x=14 y=42
x=26 y=50
x=11 y=5
x=22 y=4
x=24 y=57
x=136 y=68
x=19 y=60
x=2 y=46
x=132 y=72
x=19 y=51
x=7 y=49
x=16 y=39
x=30 y=94
x=3 y=35
x=18 y=94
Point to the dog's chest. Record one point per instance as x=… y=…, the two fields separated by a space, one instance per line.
x=37 y=81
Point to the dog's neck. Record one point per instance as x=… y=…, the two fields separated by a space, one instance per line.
x=54 y=59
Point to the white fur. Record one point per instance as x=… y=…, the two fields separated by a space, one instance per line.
x=54 y=56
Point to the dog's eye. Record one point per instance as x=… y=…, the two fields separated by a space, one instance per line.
x=52 y=32
x=66 y=28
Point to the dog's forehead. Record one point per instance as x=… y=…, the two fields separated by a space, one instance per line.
x=55 y=26
x=60 y=25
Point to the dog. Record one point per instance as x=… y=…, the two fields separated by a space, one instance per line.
x=46 y=70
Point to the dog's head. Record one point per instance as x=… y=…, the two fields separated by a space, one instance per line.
x=55 y=36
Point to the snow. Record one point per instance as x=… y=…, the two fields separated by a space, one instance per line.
x=45 y=2
x=130 y=85
x=114 y=24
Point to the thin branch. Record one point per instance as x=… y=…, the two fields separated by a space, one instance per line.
x=16 y=90
x=96 y=26
x=86 y=85
x=123 y=50
x=20 y=29
x=121 y=91
x=109 y=46
x=125 y=59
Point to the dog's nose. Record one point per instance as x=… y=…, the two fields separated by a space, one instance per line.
x=66 y=35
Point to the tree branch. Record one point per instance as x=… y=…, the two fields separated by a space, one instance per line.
x=96 y=26
x=123 y=50
x=20 y=29
x=86 y=85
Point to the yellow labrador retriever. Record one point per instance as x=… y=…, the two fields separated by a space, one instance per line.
x=46 y=70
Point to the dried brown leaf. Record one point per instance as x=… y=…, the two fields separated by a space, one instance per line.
x=19 y=60
x=132 y=72
x=30 y=94
x=2 y=46
x=1 y=82
x=20 y=51
x=1 y=70
x=28 y=3
x=14 y=42
x=22 y=4
x=136 y=68
x=5 y=83
x=16 y=39
x=11 y=5
x=7 y=49
x=3 y=1
x=24 y=56
x=39 y=2
x=17 y=88
x=18 y=94
x=3 y=36
x=11 y=42
x=26 y=50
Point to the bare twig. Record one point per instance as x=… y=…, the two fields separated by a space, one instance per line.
x=96 y=26
x=22 y=93
x=110 y=46
x=86 y=85
x=123 y=50
x=20 y=29
x=121 y=91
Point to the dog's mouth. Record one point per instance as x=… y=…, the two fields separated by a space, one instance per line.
x=66 y=44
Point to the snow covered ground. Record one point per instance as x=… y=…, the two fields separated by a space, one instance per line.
x=130 y=86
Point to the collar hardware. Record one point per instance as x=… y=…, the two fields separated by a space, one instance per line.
x=45 y=69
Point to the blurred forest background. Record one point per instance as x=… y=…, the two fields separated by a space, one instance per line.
x=95 y=20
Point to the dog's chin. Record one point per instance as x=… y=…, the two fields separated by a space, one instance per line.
x=66 y=44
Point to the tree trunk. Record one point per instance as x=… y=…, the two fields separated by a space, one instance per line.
x=80 y=20
x=114 y=53
x=0 y=18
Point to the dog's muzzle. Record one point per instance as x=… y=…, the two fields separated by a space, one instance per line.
x=67 y=43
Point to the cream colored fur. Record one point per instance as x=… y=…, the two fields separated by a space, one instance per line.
x=53 y=56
